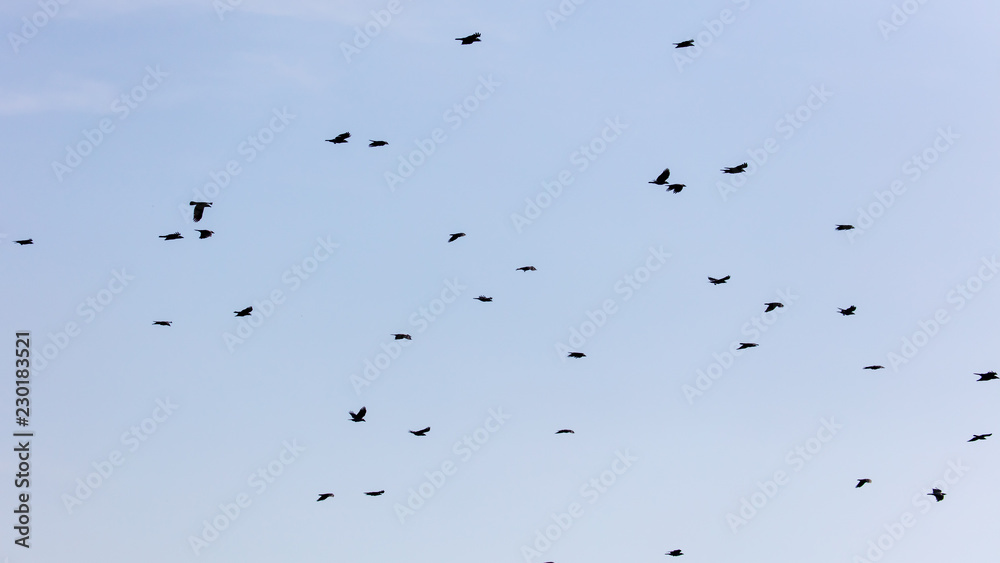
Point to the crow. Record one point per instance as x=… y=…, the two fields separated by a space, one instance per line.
x=577 y=355
x=735 y=169
x=565 y=431
x=455 y=236
x=204 y=233
x=675 y=553
x=402 y=337
x=470 y=39
x=324 y=496
x=937 y=494
x=861 y=483
x=662 y=178
x=342 y=138
x=527 y=268
x=714 y=281
x=682 y=44
x=358 y=416
x=377 y=143
x=25 y=241
x=171 y=236
x=244 y=312
x=848 y=311
x=772 y=306
x=874 y=367
x=484 y=299
x=844 y=227
x=676 y=188
x=745 y=345
x=422 y=432
x=977 y=437
x=986 y=376
x=199 y=209
x=162 y=323
x=375 y=493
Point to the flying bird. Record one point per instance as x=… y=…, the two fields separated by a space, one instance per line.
x=565 y=431
x=986 y=376
x=735 y=169
x=342 y=138
x=676 y=188
x=199 y=209
x=402 y=337
x=675 y=553
x=484 y=299
x=682 y=44
x=848 y=311
x=358 y=416
x=324 y=496
x=862 y=482
x=171 y=236
x=25 y=241
x=714 y=281
x=527 y=268
x=375 y=493
x=874 y=367
x=244 y=312
x=772 y=306
x=204 y=233
x=937 y=494
x=745 y=345
x=162 y=323
x=455 y=236
x=977 y=437
x=377 y=143
x=662 y=178
x=577 y=355
x=469 y=40
x=844 y=227
x=421 y=432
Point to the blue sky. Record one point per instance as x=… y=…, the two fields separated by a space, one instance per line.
x=209 y=440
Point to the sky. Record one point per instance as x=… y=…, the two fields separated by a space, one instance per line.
x=210 y=439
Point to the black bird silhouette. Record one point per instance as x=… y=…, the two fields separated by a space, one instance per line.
x=527 y=268
x=204 y=233
x=484 y=299
x=171 y=236
x=324 y=496
x=342 y=138
x=199 y=209
x=675 y=553
x=244 y=312
x=455 y=236
x=565 y=431
x=735 y=169
x=358 y=416
x=25 y=241
x=402 y=337
x=861 y=483
x=977 y=437
x=469 y=40
x=844 y=227
x=577 y=355
x=162 y=323
x=682 y=44
x=986 y=376
x=714 y=281
x=745 y=345
x=421 y=432
x=375 y=493
x=376 y=143
x=772 y=306
x=662 y=178
x=848 y=311
x=874 y=367
x=676 y=188
x=937 y=494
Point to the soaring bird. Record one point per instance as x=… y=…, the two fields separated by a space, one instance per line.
x=937 y=494
x=421 y=432
x=714 y=281
x=470 y=39
x=484 y=299
x=162 y=323
x=848 y=311
x=171 y=236
x=745 y=345
x=358 y=416
x=577 y=355
x=986 y=376
x=662 y=178
x=527 y=268
x=772 y=306
x=682 y=44
x=455 y=236
x=861 y=483
x=844 y=227
x=676 y=188
x=565 y=431
x=402 y=337
x=204 y=233
x=874 y=367
x=735 y=169
x=375 y=493
x=324 y=496
x=199 y=209
x=376 y=143
x=977 y=437
x=25 y=241
x=342 y=138
x=244 y=312
x=675 y=553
